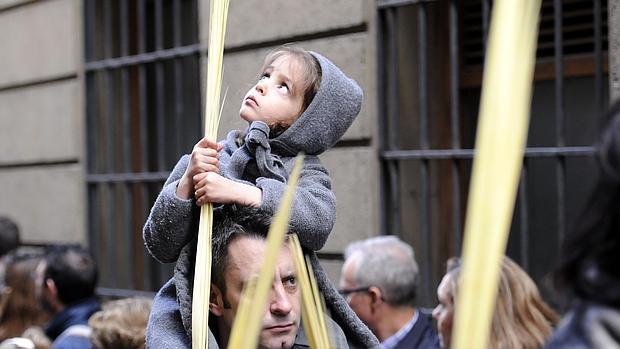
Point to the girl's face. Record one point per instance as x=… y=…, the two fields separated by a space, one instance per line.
x=444 y=311
x=277 y=97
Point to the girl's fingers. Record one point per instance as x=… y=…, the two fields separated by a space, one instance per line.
x=207 y=143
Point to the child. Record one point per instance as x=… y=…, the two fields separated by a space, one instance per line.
x=121 y=324
x=301 y=103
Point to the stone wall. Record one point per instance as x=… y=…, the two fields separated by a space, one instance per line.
x=41 y=119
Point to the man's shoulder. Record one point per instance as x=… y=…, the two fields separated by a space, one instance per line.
x=422 y=335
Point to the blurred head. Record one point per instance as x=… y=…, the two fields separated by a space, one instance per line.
x=380 y=272
x=590 y=254
x=19 y=308
x=68 y=275
x=121 y=324
x=521 y=318
x=238 y=250
x=290 y=77
x=9 y=235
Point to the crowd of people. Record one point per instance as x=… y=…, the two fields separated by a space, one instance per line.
x=48 y=300
x=302 y=102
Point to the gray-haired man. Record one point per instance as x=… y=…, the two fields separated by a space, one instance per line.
x=379 y=280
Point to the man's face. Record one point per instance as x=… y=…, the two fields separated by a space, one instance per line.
x=282 y=313
x=359 y=301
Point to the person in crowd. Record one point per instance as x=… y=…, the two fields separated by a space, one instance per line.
x=19 y=308
x=379 y=279
x=121 y=324
x=66 y=280
x=521 y=319
x=239 y=245
x=589 y=269
x=9 y=235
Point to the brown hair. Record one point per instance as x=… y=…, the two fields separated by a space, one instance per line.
x=521 y=318
x=19 y=308
x=309 y=64
x=121 y=324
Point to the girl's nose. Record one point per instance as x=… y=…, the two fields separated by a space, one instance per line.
x=261 y=87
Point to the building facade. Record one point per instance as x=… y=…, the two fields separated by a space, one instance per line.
x=99 y=99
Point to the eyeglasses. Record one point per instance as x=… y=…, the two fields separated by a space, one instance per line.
x=346 y=292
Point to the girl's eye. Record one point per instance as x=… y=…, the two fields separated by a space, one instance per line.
x=264 y=76
x=283 y=86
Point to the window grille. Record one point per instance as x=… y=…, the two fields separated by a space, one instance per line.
x=430 y=57
x=143 y=109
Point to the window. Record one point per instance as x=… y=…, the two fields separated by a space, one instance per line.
x=143 y=109
x=430 y=57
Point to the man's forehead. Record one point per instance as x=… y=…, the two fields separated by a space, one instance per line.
x=246 y=254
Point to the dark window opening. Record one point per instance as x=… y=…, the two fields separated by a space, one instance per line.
x=143 y=109
x=430 y=58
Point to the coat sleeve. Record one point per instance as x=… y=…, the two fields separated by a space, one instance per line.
x=172 y=221
x=314 y=206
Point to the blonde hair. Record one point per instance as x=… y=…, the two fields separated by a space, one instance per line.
x=121 y=324
x=522 y=320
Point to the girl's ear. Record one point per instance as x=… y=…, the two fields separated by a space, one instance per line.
x=216 y=303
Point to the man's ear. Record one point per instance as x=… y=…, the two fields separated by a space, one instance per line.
x=376 y=296
x=52 y=290
x=216 y=303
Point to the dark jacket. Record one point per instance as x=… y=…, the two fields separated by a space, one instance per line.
x=73 y=316
x=587 y=326
x=422 y=334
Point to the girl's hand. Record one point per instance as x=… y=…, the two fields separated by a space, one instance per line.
x=204 y=158
x=212 y=187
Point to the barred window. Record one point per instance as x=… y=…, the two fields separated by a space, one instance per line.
x=143 y=109
x=430 y=58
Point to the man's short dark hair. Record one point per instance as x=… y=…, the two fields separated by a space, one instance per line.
x=230 y=222
x=9 y=235
x=73 y=271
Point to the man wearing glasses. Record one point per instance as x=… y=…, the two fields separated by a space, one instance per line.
x=379 y=281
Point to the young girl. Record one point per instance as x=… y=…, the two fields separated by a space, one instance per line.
x=301 y=103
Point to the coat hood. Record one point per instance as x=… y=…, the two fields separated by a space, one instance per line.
x=329 y=115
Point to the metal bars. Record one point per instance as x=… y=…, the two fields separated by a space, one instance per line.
x=455 y=125
x=559 y=115
x=427 y=123
x=425 y=220
x=143 y=110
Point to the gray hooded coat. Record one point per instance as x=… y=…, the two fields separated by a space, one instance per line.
x=170 y=229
